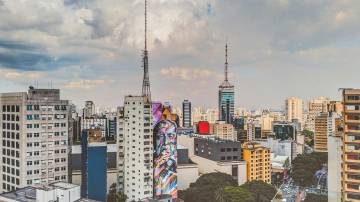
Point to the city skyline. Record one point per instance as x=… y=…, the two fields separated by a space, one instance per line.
x=90 y=50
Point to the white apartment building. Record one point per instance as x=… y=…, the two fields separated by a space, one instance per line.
x=135 y=148
x=34 y=137
x=280 y=147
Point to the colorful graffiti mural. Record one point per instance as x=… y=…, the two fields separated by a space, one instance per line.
x=165 y=153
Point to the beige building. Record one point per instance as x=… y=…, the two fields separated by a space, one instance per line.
x=351 y=146
x=294 y=109
x=223 y=131
x=315 y=107
x=320 y=135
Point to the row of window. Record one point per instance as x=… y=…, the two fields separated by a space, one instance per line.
x=13 y=180
x=10 y=117
x=30 y=117
x=11 y=108
x=10 y=152
x=11 y=144
x=11 y=135
x=11 y=126
x=10 y=161
x=46 y=108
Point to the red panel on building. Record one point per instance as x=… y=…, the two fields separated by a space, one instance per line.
x=203 y=128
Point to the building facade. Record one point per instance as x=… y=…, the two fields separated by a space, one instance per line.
x=34 y=136
x=89 y=109
x=351 y=146
x=315 y=107
x=223 y=131
x=258 y=161
x=294 y=109
x=135 y=148
x=186 y=114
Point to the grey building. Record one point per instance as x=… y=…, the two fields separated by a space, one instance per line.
x=217 y=150
x=186 y=112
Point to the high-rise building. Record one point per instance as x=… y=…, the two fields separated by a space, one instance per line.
x=135 y=148
x=285 y=130
x=186 y=113
x=294 y=109
x=315 y=107
x=93 y=165
x=226 y=96
x=351 y=145
x=34 y=128
x=89 y=109
x=334 y=160
x=258 y=161
x=325 y=125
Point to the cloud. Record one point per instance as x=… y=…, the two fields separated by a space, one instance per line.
x=188 y=74
x=86 y=84
x=20 y=75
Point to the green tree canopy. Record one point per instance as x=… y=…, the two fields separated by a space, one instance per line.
x=304 y=167
x=237 y=194
x=206 y=187
x=114 y=196
x=262 y=191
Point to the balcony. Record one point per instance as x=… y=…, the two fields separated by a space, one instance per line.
x=352 y=170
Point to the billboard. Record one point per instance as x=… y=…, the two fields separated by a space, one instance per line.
x=203 y=128
x=165 y=153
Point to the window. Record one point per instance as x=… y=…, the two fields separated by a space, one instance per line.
x=36 y=107
x=29 y=107
x=29 y=117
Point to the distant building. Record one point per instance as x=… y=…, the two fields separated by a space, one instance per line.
x=59 y=191
x=111 y=129
x=316 y=107
x=186 y=114
x=89 y=109
x=285 y=130
x=223 y=131
x=325 y=125
x=280 y=147
x=253 y=129
x=34 y=136
x=294 y=109
x=226 y=96
x=258 y=161
x=95 y=122
x=93 y=165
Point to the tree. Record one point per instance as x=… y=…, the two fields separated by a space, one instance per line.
x=315 y=197
x=309 y=137
x=304 y=167
x=262 y=191
x=115 y=196
x=237 y=194
x=207 y=187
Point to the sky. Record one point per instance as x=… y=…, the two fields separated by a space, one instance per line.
x=91 y=49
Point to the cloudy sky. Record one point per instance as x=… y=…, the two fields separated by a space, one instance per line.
x=91 y=49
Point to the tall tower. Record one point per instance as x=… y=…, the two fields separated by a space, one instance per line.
x=146 y=81
x=226 y=95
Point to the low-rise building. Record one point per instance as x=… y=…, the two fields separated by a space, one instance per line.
x=280 y=147
x=59 y=191
x=258 y=161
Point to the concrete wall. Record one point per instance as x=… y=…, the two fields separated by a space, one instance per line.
x=187 y=174
x=208 y=166
x=334 y=171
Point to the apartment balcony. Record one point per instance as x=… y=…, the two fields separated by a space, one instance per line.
x=352 y=151
x=348 y=160
x=352 y=170
x=351 y=190
x=352 y=180
x=351 y=121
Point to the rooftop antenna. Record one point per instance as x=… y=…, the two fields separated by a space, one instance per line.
x=226 y=61
x=146 y=81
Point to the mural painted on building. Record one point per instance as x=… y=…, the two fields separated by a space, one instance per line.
x=165 y=153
